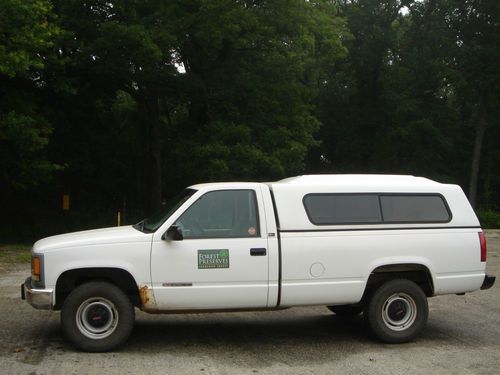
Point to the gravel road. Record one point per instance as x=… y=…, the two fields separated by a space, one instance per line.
x=462 y=337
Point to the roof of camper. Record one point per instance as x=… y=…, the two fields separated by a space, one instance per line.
x=349 y=181
x=358 y=179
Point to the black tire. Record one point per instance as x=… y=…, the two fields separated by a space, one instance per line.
x=346 y=311
x=97 y=317
x=397 y=311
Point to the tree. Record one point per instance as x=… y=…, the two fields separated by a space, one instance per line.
x=27 y=35
x=252 y=72
x=220 y=89
x=125 y=46
x=478 y=60
x=356 y=103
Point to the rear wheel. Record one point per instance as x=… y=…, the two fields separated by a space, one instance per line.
x=397 y=311
x=97 y=317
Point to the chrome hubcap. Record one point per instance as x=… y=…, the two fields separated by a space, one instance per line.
x=97 y=318
x=399 y=311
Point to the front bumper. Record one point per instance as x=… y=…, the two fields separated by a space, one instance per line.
x=38 y=298
x=488 y=282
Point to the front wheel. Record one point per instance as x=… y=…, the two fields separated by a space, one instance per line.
x=97 y=317
x=397 y=311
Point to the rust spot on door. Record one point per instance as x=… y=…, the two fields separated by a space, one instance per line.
x=144 y=294
x=147 y=299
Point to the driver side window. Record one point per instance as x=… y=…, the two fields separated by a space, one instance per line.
x=221 y=214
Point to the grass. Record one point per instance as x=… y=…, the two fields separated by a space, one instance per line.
x=15 y=253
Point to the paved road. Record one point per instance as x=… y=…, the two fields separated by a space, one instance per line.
x=462 y=336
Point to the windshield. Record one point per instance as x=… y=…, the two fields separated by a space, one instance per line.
x=153 y=222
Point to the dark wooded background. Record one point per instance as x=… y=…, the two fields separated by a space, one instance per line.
x=120 y=104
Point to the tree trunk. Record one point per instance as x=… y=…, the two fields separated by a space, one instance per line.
x=149 y=107
x=476 y=154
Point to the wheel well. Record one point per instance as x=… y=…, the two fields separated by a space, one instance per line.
x=71 y=279
x=417 y=273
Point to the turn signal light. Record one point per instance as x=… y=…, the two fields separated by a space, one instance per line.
x=36 y=269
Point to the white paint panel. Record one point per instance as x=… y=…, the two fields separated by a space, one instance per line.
x=243 y=285
x=103 y=236
x=353 y=255
x=459 y=283
x=132 y=257
x=323 y=292
x=212 y=296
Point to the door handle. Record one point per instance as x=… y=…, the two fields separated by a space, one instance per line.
x=260 y=251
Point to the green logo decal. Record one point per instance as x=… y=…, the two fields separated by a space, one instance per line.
x=213 y=258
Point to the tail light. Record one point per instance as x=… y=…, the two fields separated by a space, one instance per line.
x=482 y=241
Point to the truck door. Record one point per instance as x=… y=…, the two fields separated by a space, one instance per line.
x=222 y=260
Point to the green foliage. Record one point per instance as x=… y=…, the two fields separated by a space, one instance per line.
x=137 y=99
x=252 y=74
x=404 y=100
x=242 y=107
x=26 y=33
x=24 y=138
x=489 y=219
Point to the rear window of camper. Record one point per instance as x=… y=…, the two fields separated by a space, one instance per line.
x=372 y=208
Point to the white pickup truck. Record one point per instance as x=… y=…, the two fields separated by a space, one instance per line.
x=372 y=244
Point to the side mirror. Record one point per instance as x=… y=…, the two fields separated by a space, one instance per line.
x=174 y=233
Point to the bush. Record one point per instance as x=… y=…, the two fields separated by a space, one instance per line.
x=489 y=219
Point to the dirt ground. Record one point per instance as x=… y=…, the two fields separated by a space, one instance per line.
x=462 y=337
